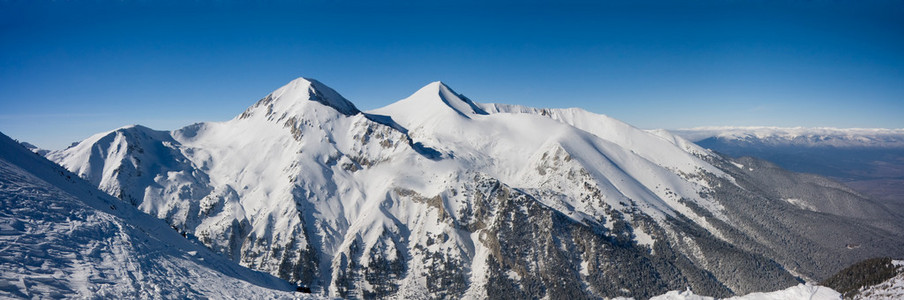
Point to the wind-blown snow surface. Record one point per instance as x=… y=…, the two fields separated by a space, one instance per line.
x=798 y=292
x=63 y=238
x=439 y=196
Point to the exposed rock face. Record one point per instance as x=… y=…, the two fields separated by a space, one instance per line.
x=437 y=196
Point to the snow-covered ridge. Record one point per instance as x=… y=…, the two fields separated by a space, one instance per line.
x=63 y=238
x=651 y=144
x=35 y=149
x=806 y=136
x=436 y=195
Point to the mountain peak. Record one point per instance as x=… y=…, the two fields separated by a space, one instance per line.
x=436 y=86
x=431 y=103
x=296 y=95
x=438 y=90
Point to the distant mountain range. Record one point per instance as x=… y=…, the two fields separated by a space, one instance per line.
x=800 y=136
x=870 y=161
x=438 y=196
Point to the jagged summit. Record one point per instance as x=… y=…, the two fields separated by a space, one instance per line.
x=294 y=98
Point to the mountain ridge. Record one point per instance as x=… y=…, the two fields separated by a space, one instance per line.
x=800 y=136
x=62 y=237
x=352 y=204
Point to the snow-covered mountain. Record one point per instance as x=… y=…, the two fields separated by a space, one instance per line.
x=438 y=196
x=63 y=238
x=35 y=149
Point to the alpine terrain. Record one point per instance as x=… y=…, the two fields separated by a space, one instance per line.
x=61 y=237
x=871 y=161
x=438 y=196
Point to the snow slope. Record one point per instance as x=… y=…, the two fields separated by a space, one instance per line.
x=893 y=288
x=651 y=144
x=798 y=292
x=437 y=196
x=636 y=167
x=63 y=238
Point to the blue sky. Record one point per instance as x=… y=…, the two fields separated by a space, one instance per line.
x=71 y=69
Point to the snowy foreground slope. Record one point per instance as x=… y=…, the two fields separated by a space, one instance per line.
x=798 y=292
x=63 y=238
x=437 y=196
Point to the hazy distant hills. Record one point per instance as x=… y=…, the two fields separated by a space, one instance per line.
x=439 y=196
x=870 y=161
x=801 y=136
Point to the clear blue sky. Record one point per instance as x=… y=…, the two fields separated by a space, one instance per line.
x=69 y=69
